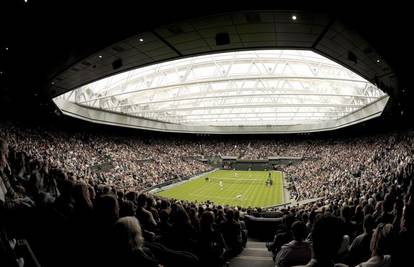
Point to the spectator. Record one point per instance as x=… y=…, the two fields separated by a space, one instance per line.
x=402 y=253
x=145 y=216
x=327 y=237
x=360 y=250
x=283 y=235
x=211 y=245
x=381 y=243
x=242 y=227
x=78 y=180
x=231 y=231
x=129 y=245
x=297 y=251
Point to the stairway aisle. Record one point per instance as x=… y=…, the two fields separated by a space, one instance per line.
x=254 y=255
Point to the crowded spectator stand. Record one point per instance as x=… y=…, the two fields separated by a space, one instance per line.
x=73 y=213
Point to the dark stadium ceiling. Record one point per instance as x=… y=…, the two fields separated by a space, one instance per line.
x=258 y=30
x=57 y=47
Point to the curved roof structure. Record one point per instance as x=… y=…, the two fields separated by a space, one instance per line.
x=261 y=71
x=257 y=88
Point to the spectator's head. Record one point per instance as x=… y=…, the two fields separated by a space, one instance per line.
x=288 y=220
x=388 y=204
x=66 y=188
x=369 y=223
x=120 y=195
x=192 y=213
x=219 y=214
x=128 y=234
x=378 y=207
x=165 y=204
x=164 y=216
x=368 y=209
x=58 y=174
x=298 y=230
x=381 y=240
x=180 y=217
x=127 y=209
x=131 y=196
x=200 y=210
x=207 y=220
x=107 y=208
x=312 y=217
x=142 y=200
x=237 y=215
x=229 y=215
x=106 y=190
x=4 y=151
x=407 y=220
x=346 y=213
x=151 y=202
x=327 y=236
x=4 y=147
x=81 y=196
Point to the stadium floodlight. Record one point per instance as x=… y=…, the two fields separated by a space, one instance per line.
x=244 y=91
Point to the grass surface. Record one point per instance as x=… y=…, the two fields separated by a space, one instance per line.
x=239 y=188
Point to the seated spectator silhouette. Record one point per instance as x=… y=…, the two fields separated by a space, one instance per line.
x=297 y=251
x=9 y=198
x=211 y=245
x=282 y=236
x=164 y=226
x=128 y=245
x=360 y=250
x=242 y=227
x=387 y=215
x=381 y=243
x=183 y=234
x=6 y=190
x=127 y=208
x=231 y=231
x=143 y=215
x=349 y=225
x=106 y=214
x=327 y=235
x=7 y=254
x=151 y=208
x=402 y=253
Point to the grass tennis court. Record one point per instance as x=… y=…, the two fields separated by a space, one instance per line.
x=239 y=188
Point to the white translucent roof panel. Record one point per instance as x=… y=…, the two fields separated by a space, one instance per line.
x=247 y=88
